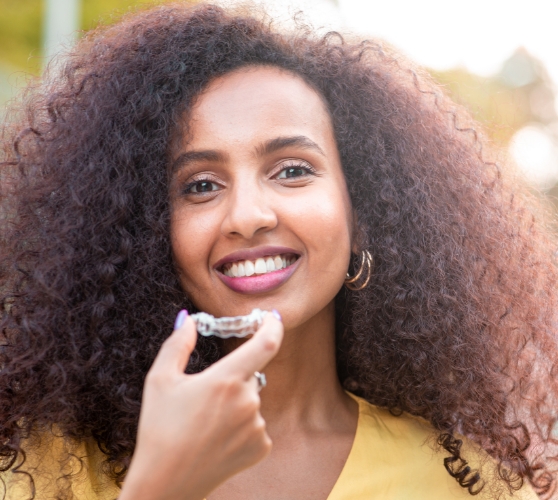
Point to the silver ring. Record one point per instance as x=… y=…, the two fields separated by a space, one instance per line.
x=262 y=382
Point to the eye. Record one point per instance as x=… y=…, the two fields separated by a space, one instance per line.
x=294 y=171
x=201 y=187
x=290 y=172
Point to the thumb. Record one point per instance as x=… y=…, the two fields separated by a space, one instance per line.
x=257 y=351
x=176 y=350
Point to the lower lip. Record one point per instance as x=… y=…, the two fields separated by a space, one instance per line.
x=259 y=283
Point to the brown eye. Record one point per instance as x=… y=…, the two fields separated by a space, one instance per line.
x=291 y=172
x=201 y=187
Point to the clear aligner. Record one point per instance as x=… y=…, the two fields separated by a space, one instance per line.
x=226 y=327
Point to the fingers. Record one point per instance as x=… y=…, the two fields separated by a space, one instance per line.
x=257 y=352
x=176 y=350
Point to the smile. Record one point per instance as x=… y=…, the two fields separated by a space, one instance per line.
x=258 y=270
x=262 y=265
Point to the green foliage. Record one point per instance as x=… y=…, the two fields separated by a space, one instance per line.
x=20 y=34
x=95 y=12
x=21 y=23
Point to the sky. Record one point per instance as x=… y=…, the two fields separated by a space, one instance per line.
x=476 y=34
x=442 y=34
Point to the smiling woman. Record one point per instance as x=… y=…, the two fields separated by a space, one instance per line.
x=260 y=180
x=194 y=158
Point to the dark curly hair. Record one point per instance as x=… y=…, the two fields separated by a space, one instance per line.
x=457 y=325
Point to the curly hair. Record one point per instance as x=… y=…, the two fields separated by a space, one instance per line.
x=456 y=326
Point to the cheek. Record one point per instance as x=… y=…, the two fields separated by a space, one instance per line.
x=323 y=223
x=191 y=239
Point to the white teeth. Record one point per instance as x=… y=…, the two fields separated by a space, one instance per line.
x=241 y=270
x=260 y=267
x=269 y=264
x=249 y=268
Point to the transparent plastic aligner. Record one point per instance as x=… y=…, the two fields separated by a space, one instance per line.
x=226 y=327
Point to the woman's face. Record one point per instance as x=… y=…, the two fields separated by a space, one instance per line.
x=260 y=215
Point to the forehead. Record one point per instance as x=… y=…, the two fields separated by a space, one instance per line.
x=257 y=102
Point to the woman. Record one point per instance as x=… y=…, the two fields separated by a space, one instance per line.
x=177 y=153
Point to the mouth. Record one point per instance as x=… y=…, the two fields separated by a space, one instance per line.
x=258 y=267
x=264 y=270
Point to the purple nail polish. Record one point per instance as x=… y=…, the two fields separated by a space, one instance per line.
x=275 y=313
x=180 y=319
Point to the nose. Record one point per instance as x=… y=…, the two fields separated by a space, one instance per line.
x=249 y=212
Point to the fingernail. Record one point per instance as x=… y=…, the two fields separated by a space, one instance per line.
x=275 y=313
x=180 y=319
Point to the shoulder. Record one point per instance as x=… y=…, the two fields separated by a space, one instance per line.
x=54 y=465
x=399 y=458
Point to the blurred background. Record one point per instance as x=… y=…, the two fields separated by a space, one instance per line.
x=497 y=57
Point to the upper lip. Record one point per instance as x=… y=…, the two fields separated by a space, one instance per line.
x=253 y=254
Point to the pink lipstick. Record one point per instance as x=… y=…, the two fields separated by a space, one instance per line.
x=244 y=271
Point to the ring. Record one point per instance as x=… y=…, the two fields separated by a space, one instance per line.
x=262 y=382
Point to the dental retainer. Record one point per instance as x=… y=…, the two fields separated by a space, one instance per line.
x=226 y=327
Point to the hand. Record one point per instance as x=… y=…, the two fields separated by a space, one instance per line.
x=196 y=431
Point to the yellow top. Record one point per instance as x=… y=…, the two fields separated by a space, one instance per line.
x=392 y=458
x=59 y=465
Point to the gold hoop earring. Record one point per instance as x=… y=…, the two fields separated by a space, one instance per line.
x=365 y=269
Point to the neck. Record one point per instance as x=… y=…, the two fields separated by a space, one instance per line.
x=302 y=383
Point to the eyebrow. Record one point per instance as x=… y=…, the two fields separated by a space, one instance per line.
x=300 y=141
x=267 y=148
x=192 y=156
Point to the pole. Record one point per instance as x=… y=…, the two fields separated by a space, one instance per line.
x=61 y=23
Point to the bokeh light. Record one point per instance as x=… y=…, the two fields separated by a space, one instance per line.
x=535 y=152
